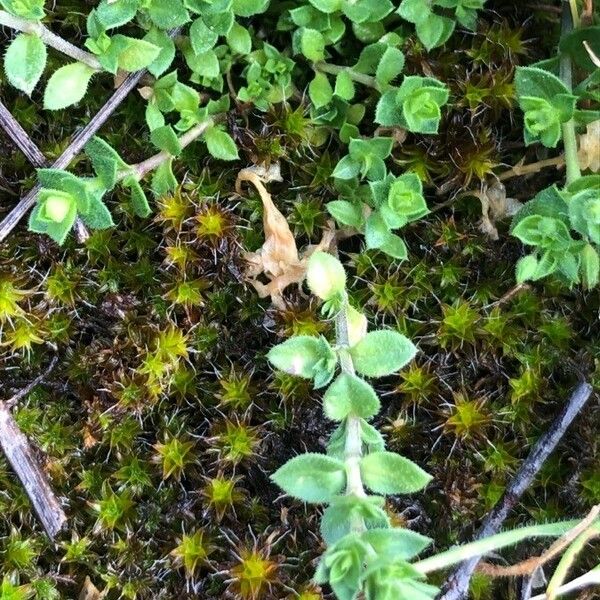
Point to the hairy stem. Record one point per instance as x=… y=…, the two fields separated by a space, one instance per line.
x=155 y=161
x=568 y=128
x=49 y=38
x=367 y=80
x=353 y=445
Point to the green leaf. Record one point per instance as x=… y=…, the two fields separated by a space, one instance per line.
x=546 y=232
x=414 y=11
x=402 y=544
x=220 y=22
x=105 y=160
x=421 y=99
x=166 y=54
x=58 y=231
x=165 y=138
x=584 y=214
x=134 y=54
x=239 y=39
x=371 y=437
x=542 y=121
x=206 y=64
x=343 y=510
x=526 y=268
x=139 y=201
x=548 y=203
x=303 y=356
x=390 y=66
x=55 y=205
x=344 y=86
x=67 y=86
x=312 y=44
x=168 y=15
x=347 y=168
x=572 y=44
x=435 y=30
x=97 y=216
x=535 y=82
x=350 y=395
x=32 y=10
x=382 y=353
x=390 y=473
x=395 y=247
x=154 y=118
x=220 y=144
x=325 y=275
x=25 y=61
x=346 y=213
x=311 y=477
x=115 y=14
x=376 y=231
x=163 y=180
x=589 y=266
x=389 y=111
x=327 y=6
x=320 y=90
x=201 y=37
x=247 y=8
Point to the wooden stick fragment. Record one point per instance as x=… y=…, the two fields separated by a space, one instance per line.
x=34 y=155
x=20 y=138
x=22 y=459
x=456 y=586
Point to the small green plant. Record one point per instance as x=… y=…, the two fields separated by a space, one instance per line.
x=365 y=554
x=562 y=225
x=435 y=20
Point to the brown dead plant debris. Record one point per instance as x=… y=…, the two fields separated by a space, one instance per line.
x=277 y=261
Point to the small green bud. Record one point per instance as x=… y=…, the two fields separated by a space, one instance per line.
x=325 y=275
x=56 y=205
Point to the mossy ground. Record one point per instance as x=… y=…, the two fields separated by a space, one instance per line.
x=163 y=421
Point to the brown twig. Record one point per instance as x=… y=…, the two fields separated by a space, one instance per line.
x=20 y=138
x=456 y=586
x=23 y=392
x=22 y=459
x=518 y=170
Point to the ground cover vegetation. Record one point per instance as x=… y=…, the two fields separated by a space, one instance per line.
x=307 y=299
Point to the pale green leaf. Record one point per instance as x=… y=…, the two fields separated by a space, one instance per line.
x=25 y=61
x=67 y=86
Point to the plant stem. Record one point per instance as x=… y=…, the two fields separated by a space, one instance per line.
x=49 y=38
x=568 y=128
x=153 y=162
x=353 y=445
x=354 y=75
x=518 y=170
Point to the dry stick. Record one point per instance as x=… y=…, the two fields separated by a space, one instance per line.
x=79 y=141
x=20 y=455
x=518 y=170
x=19 y=136
x=457 y=584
